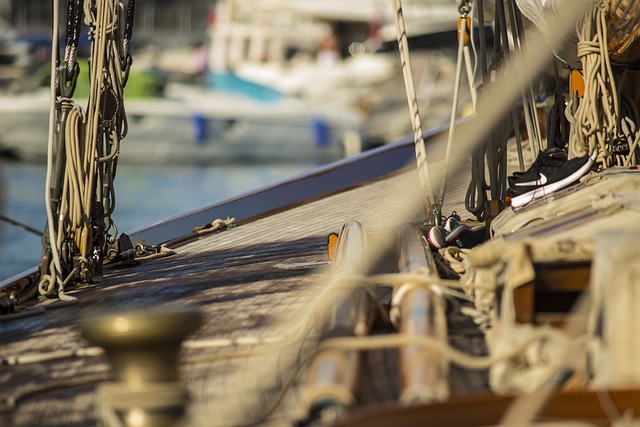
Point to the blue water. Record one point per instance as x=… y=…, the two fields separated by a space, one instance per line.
x=143 y=195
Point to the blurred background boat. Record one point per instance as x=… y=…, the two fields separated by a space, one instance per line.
x=188 y=125
x=274 y=80
x=337 y=53
x=181 y=124
x=183 y=120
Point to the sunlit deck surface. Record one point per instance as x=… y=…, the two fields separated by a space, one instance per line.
x=261 y=278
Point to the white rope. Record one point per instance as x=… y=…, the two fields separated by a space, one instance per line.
x=75 y=180
x=50 y=143
x=455 y=356
x=421 y=153
x=633 y=146
x=598 y=111
x=98 y=50
x=455 y=256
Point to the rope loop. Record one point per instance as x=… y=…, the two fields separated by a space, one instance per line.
x=46 y=286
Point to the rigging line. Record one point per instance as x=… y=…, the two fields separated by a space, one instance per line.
x=518 y=42
x=471 y=65
x=475 y=196
x=95 y=101
x=462 y=36
x=108 y=140
x=470 y=69
x=528 y=105
x=530 y=99
x=498 y=139
x=556 y=128
x=516 y=126
x=482 y=34
x=52 y=114
x=454 y=355
x=421 y=152
x=20 y=225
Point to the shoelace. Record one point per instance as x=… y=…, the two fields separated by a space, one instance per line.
x=548 y=162
x=543 y=161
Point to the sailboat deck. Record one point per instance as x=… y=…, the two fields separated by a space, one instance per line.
x=259 y=279
x=254 y=284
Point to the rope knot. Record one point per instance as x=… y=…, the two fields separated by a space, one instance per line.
x=588 y=47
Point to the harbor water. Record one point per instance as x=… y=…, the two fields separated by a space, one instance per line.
x=144 y=195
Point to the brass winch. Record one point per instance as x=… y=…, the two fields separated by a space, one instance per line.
x=143 y=348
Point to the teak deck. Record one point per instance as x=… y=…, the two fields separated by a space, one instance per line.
x=257 y=279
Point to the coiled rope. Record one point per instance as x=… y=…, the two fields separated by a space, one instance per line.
x=596 y=118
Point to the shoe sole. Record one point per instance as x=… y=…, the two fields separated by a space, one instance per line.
x=437 y=237
x=456 y=232
x=525 y=198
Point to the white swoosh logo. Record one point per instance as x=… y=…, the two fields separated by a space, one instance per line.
x=541 y=181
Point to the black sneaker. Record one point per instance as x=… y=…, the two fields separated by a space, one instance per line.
x=546 y=176
x=464 y=237
x=544 y=160
x=548 y=157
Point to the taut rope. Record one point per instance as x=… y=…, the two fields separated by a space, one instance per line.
x=432 y=208
x=464 y=39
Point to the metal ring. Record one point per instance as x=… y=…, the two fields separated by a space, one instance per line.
x=464 y=8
